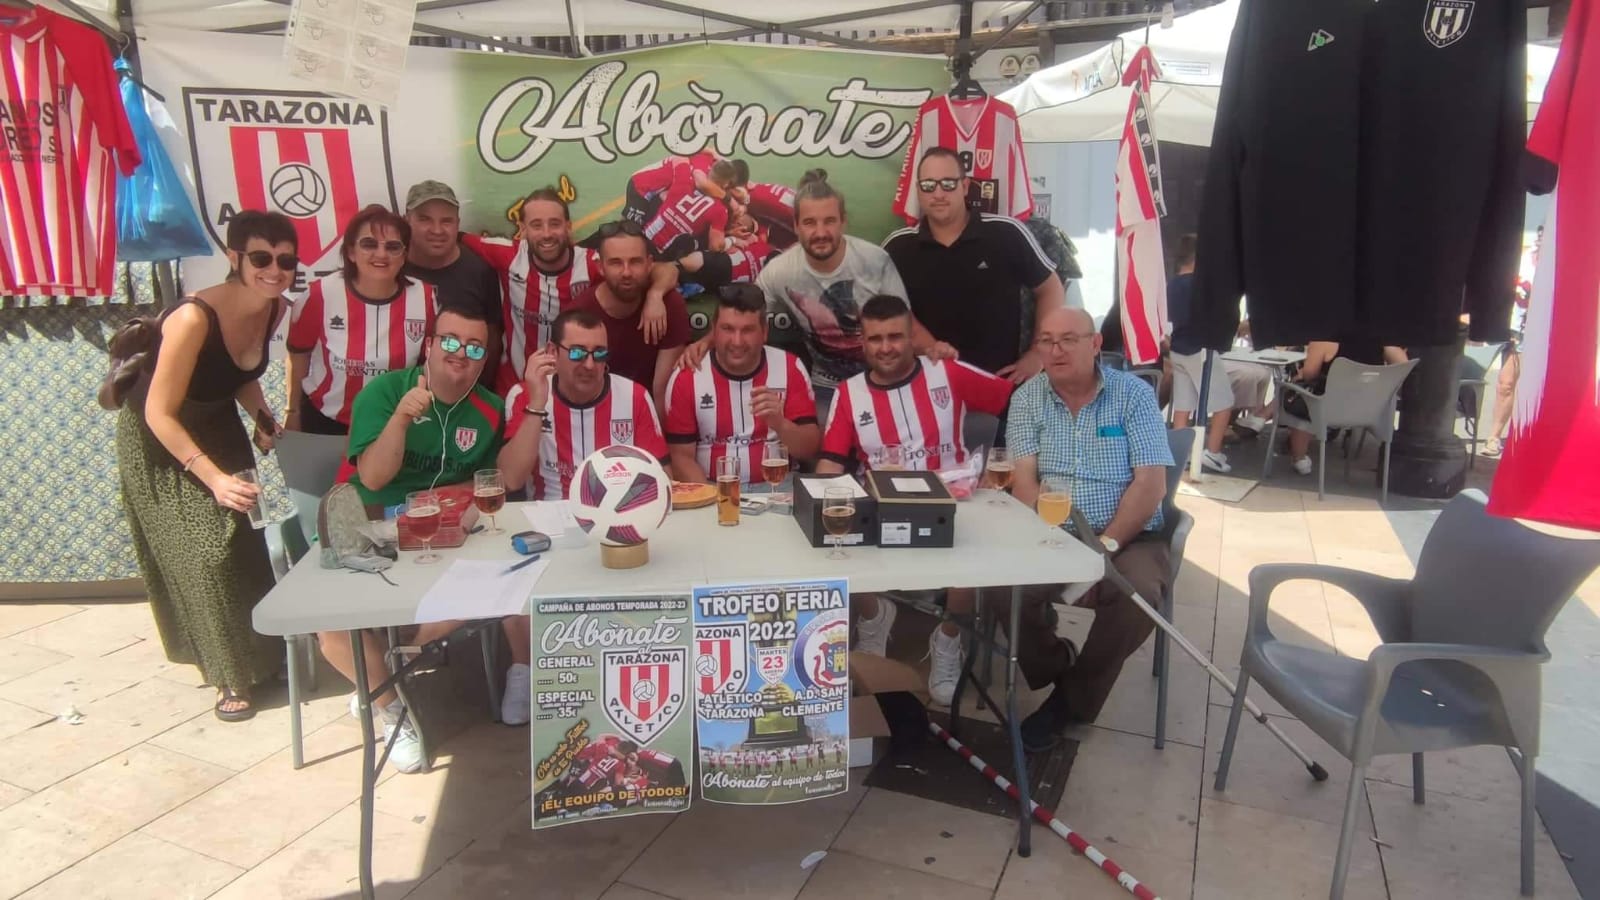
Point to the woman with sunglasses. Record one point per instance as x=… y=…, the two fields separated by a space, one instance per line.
x=355 y=324
x=180 y=449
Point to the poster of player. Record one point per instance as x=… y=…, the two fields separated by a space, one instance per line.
x=612 y=726
x=771 y=686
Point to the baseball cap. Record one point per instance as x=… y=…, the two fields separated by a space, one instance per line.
x=423 y=191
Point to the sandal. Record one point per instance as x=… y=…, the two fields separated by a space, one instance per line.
x=233 y=707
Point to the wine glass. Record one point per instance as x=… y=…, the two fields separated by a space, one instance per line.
x=774 y=465
x=997 y=472
x=889 y=457
x=423 y=513
x=1054 y=506
x=489 y=495
x=838 y=511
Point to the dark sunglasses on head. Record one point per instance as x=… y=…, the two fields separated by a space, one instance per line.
x=579 y=354
x=288 y=262
x=475 y=351
x=371 y=244
x=926 y=185
x=621 y=226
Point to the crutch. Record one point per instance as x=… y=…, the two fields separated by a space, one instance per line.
x=1088 y=537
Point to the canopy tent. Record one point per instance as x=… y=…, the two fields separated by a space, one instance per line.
x=1076 y=101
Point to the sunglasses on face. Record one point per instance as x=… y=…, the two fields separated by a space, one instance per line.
x=926 y=185
x=288 y=262
x=579 y=354
x=621 y=226
x=475 y=351
x=372 y=245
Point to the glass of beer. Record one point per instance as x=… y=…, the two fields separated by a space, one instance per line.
x=997 y=474
x=489 y=495
x=727 y=489
x=889 y=457
x=838 y=511
x=1054 y=506
x=423 y=511
x=774 y=465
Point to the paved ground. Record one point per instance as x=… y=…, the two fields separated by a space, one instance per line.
x=150 y=796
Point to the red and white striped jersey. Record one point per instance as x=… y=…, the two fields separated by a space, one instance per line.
x=749 y=260
x=351 y=340
x=688 y=213
x=985 y=134
x=673 y=171
x=711 y=409
x=622 y=414
x=772 y=202
x=1141 y=266
x=924 y=414
x=532 y=297
x=63 y=137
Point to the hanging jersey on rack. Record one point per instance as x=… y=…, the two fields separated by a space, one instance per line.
x=984 y=132
x=63 y=138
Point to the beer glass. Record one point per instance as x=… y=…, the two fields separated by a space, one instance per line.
x=257 y=514
x=774 y=465
x=1054 y=506
x=423 y=511
x=997 y=473
x=728 y=489
x=489 y=495
x=838 y=511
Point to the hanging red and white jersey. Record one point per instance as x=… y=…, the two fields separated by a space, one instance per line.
x=1141 y=267
x=923 y=414
x=685 y=214
x=622 y=414
x=531 y=297
x=352 y=341
x=749 y=260
x=1548 y=471
x=985 y=134
x=711 y=409
x=63 y=138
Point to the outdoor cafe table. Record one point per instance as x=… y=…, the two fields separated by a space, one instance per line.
x=995 y=545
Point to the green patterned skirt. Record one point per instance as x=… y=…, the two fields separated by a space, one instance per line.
x=204 y=567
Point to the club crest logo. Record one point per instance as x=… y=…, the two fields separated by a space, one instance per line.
x=722 y=658
x=466 y=438
x=622 y=431
x=772 y=663
x=822 y=653
x=416 y=328
x=314 y=158
x=643 y=690
x=984 y=157
x=1446 y=21
x=941 y=397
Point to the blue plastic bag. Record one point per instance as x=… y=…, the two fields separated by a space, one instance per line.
x=155 y=221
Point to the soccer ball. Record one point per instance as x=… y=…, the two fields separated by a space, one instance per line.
x=298 y=190
x=705 y=665
x=621 y=494
x=644 y=690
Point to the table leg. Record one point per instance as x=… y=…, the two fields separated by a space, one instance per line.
x=1019 y=761
x=368 y=775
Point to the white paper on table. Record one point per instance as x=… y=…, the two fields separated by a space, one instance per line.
x=553 y=517
x=817 y=487
x=911 y=485
x=479 y=589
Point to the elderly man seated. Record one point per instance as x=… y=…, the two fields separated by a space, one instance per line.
x=1099 y=430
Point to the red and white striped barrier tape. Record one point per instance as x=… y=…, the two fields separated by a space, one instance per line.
x=1048 y=818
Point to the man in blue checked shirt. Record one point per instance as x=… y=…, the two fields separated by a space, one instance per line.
x=1101 y=429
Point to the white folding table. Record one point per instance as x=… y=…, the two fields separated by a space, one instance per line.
x=995 y=545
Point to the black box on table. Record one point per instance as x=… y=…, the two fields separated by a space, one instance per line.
x=807 y=507
x=915 y=509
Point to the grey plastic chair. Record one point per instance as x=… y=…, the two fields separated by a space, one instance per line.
x=1175 y=528
x=1459 y=666
x=979 y=429
x=1356 y=396
x=1151 y=375
x=1474 y=380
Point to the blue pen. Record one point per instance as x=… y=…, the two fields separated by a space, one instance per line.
x=515 y=566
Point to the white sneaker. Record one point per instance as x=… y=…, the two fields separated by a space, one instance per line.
x=405 y=747
x=1254 y=423
x=946 y=651
x=1216 y=462
x=1303 y=465
x=872 y=635
x=516 y=704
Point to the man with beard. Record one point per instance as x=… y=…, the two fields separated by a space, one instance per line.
x=618 y=301
x=822 y=282
x=539 y=283
x=460 y=277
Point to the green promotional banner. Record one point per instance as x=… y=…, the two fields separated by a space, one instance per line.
x=613 y=718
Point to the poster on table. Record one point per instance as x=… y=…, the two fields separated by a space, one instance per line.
x=613 y=718
x=496 y=126
x=772 y=690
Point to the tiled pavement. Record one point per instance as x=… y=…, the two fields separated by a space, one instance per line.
x=150 y=796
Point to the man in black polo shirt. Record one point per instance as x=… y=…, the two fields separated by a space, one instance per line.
x=964 y=272
x=463 y=279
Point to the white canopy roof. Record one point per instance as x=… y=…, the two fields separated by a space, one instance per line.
x=1078 y=101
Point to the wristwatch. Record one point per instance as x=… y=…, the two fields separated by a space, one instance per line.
x=539 y=413
x=1110 y=543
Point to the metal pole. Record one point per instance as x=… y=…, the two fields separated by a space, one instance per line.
x=369 y=777
x=1200 y=423
x=1019 y=761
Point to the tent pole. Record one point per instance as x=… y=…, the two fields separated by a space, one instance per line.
x=1010 y=27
